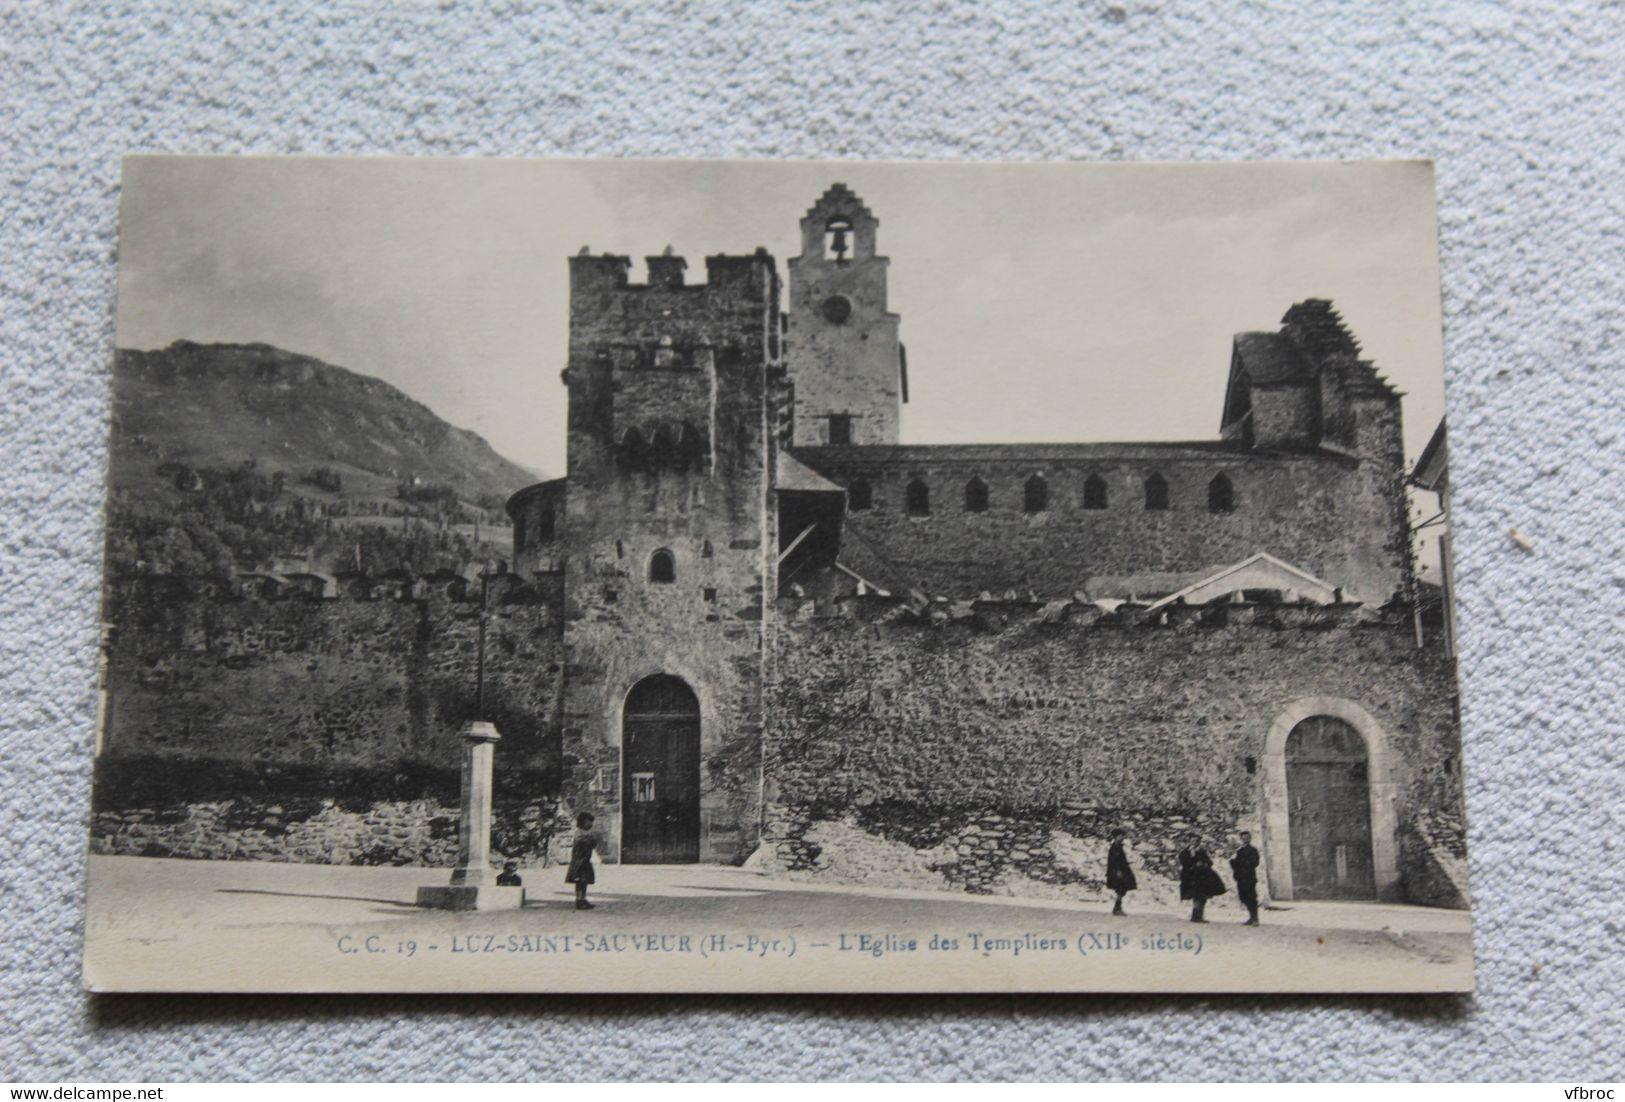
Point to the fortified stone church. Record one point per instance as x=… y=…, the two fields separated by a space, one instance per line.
x=784 y=635
x=751 y=625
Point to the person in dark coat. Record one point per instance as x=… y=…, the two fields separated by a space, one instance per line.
x=580 y=872
x=509 y=876
x=1119 y=877
x=1244 y=867
x=1197 y=880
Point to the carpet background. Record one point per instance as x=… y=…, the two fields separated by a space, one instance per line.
x=1521 y=104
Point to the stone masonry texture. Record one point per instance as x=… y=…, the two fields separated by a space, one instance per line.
x=997 y=738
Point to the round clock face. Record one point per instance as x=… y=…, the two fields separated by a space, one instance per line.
x=837 y=308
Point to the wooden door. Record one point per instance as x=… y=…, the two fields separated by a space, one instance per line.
x=660 y=787
x=1329 y=811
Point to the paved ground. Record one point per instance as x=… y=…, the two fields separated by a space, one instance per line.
x=167 y=924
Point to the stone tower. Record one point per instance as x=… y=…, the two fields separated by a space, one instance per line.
x=844 y=361
x=665 y=542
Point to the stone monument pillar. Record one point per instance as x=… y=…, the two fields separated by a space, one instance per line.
x=473 y=885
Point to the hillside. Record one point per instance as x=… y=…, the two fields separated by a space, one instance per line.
x=238 y=456
x=218 y=404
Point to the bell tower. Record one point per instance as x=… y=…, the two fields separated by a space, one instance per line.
x=842 y=356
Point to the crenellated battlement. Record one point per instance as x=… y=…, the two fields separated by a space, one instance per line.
x=666 y=273
x=1012 y=613
x=263 y=587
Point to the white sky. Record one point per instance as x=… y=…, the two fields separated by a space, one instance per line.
x=1039 y=302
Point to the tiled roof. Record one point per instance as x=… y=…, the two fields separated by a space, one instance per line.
x=933 y=454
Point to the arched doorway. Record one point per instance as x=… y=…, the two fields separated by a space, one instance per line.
x=660 y=771
x=1328 y=786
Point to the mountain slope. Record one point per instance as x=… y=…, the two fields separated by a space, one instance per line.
x=241 y=456
x=220 y=404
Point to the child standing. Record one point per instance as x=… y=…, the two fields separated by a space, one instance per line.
x=581 y=872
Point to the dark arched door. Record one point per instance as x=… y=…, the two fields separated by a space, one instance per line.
x=660 y=770
x=1328 y=789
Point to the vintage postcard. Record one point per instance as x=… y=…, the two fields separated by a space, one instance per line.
x=683 y=576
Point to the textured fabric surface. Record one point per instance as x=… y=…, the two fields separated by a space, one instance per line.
x=1520 y=104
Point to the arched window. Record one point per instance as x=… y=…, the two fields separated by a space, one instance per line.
x=976 y=496
x=663 y=446
x=1221 y=495
x=1094 y=492
x=919 y=499
x=630 y=450
x=859 y=496
x=1035 y=498
x=662 y=566
x=690 y=448
x=1156 y=492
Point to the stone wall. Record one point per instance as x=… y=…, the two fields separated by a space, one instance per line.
x=329 y=680
x=395 y=813
x=309 y=729
x=1339 y=518
x=321 y=830
x=418 y=832
x=994 y=745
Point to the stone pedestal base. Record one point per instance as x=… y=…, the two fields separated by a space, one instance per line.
x=471 y=897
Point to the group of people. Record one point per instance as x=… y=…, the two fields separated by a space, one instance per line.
x=1197 y=881
x=580 y=873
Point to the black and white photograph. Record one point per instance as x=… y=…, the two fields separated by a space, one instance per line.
x=738 y=576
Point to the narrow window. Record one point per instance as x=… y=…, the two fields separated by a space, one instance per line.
x=1156 y=492
x=662 y=451
x=859 y=496
x=1221 y=495
x=1094 y=492
x=662 y=566
x=1036 y=497
x=710 y=595
x=840 y=429
x=919 y=499
x=544 y=525
x=630 y=451
x=976 y=496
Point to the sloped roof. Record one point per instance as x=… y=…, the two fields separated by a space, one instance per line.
x=1260 y=571
x=844 y=460
x=789 y=473
x=837 y=198
x=1433 y=466
x=861 y=557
